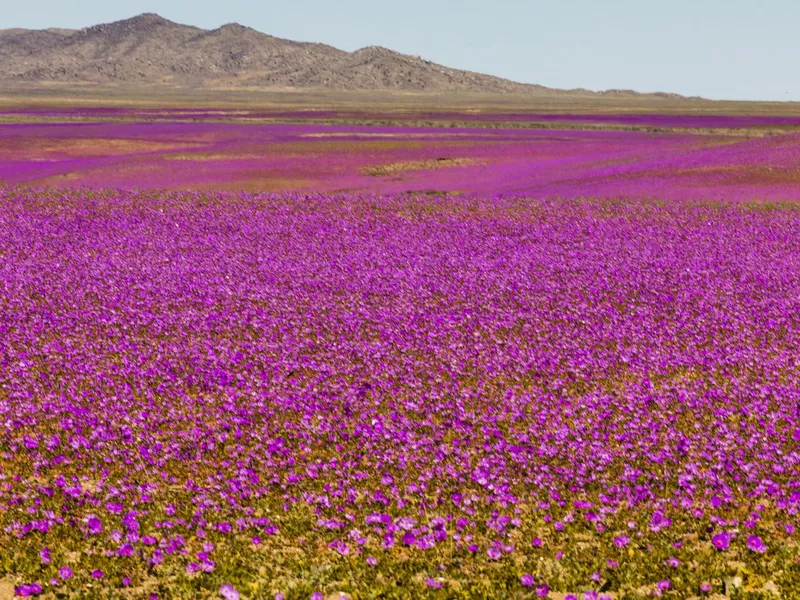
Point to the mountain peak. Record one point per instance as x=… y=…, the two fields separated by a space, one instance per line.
x=148 y=18
x=143 y=22
x=235 y=27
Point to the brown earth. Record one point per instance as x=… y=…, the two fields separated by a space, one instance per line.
x=148 y=49
x=416 y=165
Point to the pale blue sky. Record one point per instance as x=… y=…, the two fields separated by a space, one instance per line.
x=734 y=49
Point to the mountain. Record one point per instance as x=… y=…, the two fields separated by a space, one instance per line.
x=153 y=50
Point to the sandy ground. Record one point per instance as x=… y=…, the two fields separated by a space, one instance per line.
x=153 y=97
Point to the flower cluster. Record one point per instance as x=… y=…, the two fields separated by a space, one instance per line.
x=195 y=150
x=283 y=395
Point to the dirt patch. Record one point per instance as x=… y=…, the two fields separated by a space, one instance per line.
x=335 y=134
x=254 y=184
x=55 y=148
x=6 y=590
x=202 y=157
x=416 y=165
x=433 y=193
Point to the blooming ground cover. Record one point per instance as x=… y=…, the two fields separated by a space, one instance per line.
x=290 y=395
x=397 y=159
x=658 y=121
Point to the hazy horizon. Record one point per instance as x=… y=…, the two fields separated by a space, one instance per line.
x=718 y=51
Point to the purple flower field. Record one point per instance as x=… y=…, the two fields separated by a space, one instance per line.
x=399 y=159
x=529 y=392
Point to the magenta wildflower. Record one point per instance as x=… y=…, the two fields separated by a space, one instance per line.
x=95 y=525
x=756 y=544
x=721 y=541
x=229 y=592
x=28 y=589
x=527 y=580
x=433 y=583
x=673 y=562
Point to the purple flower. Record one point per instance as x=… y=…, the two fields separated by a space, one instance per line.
x=664 y=585
x=372 y=561
x=494 y=553
x=673 y=562
x=542 y=590
x=526 y=580
x=224 y=527
x=95 y=525
x=317 y=596
x=621 y=541
x=97 y=574
x=756 y=544
x=44 y=555
x=28 y=589
x=228 y=592
x=65 y=572
x=721 y=541
x=433 y=583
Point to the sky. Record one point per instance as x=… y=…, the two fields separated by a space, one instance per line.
x=719 y=49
